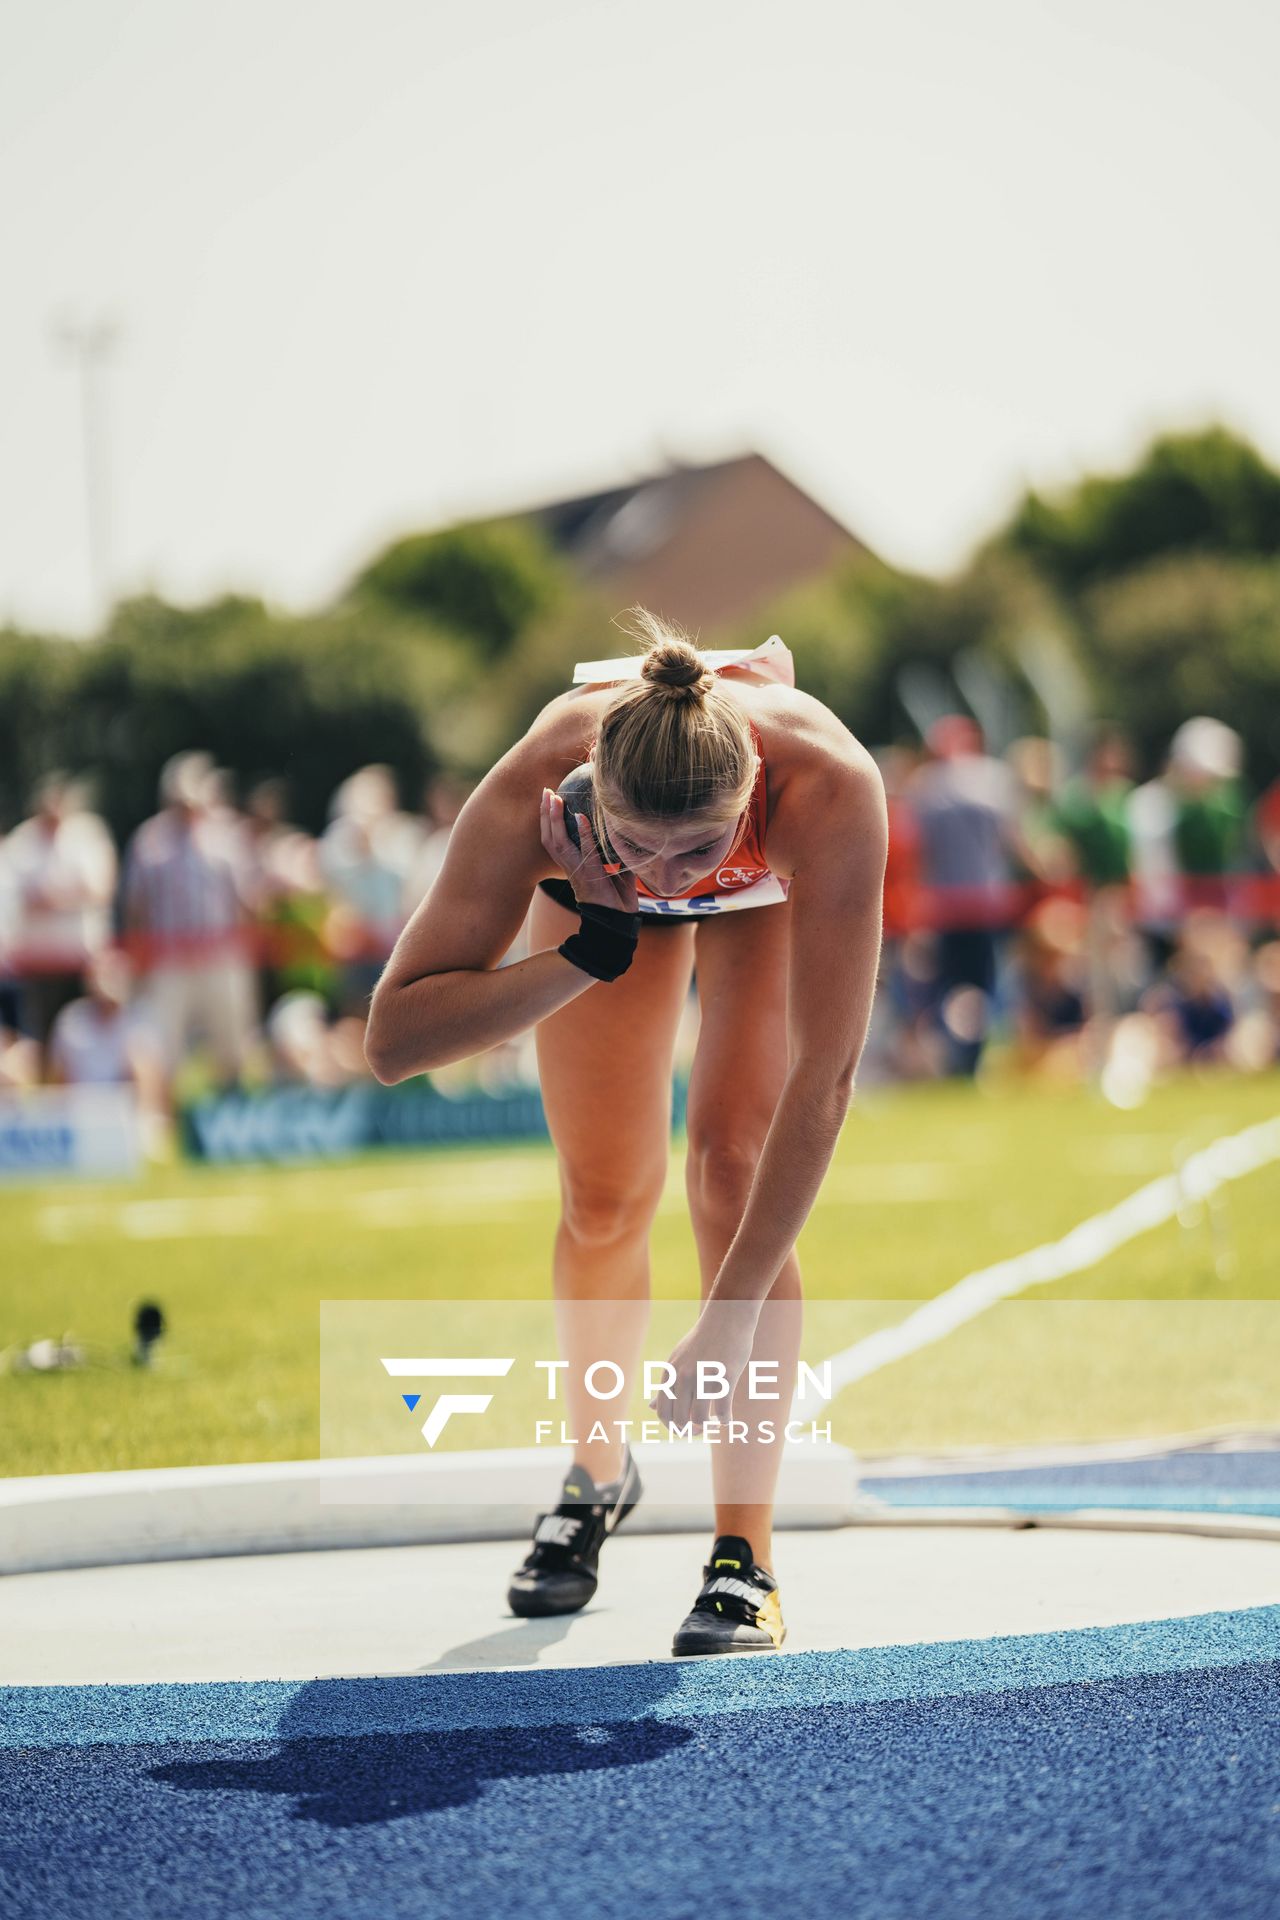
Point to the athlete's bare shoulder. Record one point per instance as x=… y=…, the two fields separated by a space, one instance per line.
x=802 y=738
x=556 y=740
x=559 y=736
x=820 y=777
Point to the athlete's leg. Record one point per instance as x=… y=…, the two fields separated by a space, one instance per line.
x=604 y=1063
x=738 y=1071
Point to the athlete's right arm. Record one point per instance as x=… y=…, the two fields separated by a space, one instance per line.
x=442 y=996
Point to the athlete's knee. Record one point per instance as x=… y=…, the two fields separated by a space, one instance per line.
x=599 y=1210
x=719 y=1170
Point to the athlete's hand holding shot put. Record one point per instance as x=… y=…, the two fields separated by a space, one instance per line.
x=665 y=813
x=581 y=861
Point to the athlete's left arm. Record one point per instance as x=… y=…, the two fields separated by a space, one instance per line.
x=838 y=826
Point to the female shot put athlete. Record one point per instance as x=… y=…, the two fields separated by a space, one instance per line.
x=636 y=813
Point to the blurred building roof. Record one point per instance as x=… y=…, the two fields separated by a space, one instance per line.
x=702 y=545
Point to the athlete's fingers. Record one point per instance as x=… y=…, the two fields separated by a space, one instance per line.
x=587 y=840
x=572 y=855
x=555 y=835
x=622 y=884
x=585 y=860
x=558 y=844
x=590 y=862
x=545 y=828
x=553 y=816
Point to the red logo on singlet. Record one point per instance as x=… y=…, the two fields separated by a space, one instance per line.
x=737 y=877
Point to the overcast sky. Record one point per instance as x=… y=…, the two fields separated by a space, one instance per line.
x=379 y=264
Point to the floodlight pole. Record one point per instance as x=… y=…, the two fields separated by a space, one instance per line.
x=89 y=344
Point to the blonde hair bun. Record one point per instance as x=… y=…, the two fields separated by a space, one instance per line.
x=678 y=667
x=672 y=743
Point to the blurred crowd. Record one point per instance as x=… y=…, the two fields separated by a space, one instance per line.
x=1100 y=926
x=1093 y=925
x=220 y=947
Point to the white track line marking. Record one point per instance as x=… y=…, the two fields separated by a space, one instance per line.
x=1150 y=1206
x=461 y=1192
x=178 y=1219
x=409 y=1209
x=234 y=1215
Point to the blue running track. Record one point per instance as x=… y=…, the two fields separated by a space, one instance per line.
x=1241 y=1481
x=1128 y=1771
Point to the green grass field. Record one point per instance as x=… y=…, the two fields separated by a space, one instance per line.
x=1179 y=1331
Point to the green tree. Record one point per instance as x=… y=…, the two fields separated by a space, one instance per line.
x=1207 y=492
x=1190 y=634
x=488 y=581
x=311 y=699
x=37 y=689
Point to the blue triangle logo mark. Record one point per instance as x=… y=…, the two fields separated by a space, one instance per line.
x=411 y=1400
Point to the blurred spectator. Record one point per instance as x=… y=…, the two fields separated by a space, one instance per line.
x=19 y=1060
x=1205 y=759
x=1193 y=1004
x=1257 y=1037
x=281 y=881
x=1266 y=828
x=1091 y=815
x=1157 y=896
x=963 y=801
x=443 y=801
x=902 y=867
x=260 y=832
x=1187 y=825
x=900 y=1042
x=1036 y=765
x=100 y=1040
x=914 y=1048
x=10 y=989
x=1050 y=1007
x=365 y=855
x=62 y=876
x=187 y=924
x=307 y=1049
x=223 y=820
x=19 y=1055
x=294 y=927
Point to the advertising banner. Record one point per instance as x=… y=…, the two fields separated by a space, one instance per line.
x=90 y=1132
x=329 y=1123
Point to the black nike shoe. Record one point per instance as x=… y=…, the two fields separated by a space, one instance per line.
x=560 y=1574
x=738 y=1610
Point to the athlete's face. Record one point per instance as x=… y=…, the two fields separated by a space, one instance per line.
x=669 y=855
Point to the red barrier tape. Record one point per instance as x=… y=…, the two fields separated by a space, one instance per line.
x=1248 y=898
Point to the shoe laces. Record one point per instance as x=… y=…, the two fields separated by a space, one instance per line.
x=738 y=1593
x=582 y=1530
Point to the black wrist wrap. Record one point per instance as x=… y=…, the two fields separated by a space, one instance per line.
x=605 y=942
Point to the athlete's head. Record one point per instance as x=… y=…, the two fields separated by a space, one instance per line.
x=674 y=764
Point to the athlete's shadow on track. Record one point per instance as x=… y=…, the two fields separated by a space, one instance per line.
x=521 y=1643
x=352 y=1753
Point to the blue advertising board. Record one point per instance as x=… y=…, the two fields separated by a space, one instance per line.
x=329 y=1123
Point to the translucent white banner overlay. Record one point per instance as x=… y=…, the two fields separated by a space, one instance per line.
x=460 y=1399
